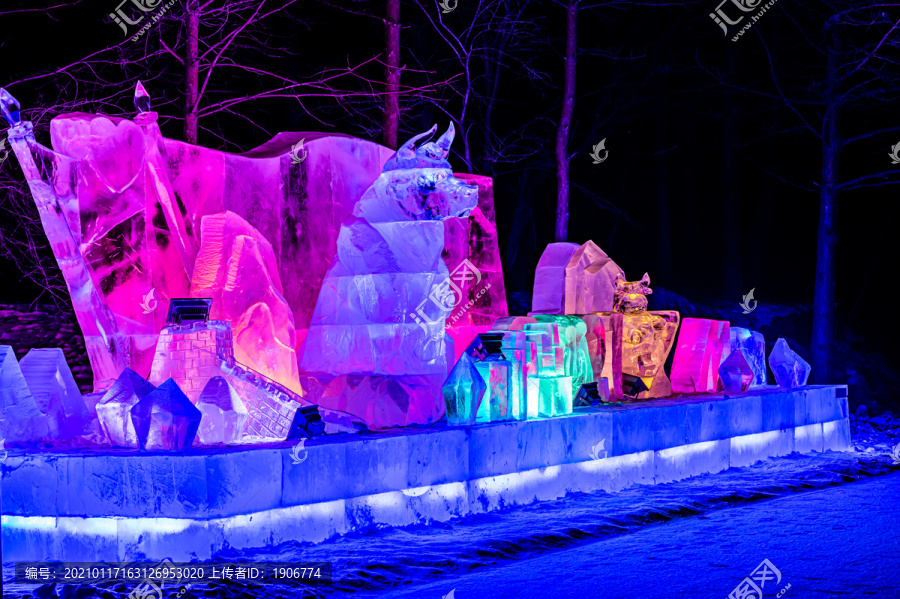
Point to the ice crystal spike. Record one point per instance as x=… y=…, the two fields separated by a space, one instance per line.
x=790 y=369
x=141 y=99
x=9 y=107
x=165 y=419
x=736 y=373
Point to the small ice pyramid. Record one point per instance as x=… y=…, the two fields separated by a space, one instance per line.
x=224 y=414
x=20 y=418
x=114 y=408
x=166 y=419
x=58 y=398
x=790 y=369
x=464 y=391
x=735 y=372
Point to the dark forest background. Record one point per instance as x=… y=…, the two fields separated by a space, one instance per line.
x=718 y=149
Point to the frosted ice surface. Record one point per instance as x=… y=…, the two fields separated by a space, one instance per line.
x=21 y=420
x=114 y=408
x=224 y=414
x=790 y=369
x=165 y=418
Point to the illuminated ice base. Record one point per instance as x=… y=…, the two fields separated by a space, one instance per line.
x=127 y=505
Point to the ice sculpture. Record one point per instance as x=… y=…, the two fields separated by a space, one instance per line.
x=573 y=279
x=236 y=267
x=123 y=206
x=165 y=419
x=20 y=419
x=550 y=279
x=790 y=370
x=9 y=108
x=553 y=384
x=590 y=280
x=556 y=398
x=512 y=323
x=647 y=337
x=51 y=178
x=753 y=344
x=576 y=356
x=114 y=408
x=195 y=352
x=58 y=398
x=381 y=310
x=191 y=354
x=701 y=346
x=523 y=357
x=595 y=337
x=224 y=415
x=488 y=382
x=470 y=248
x=463 y=391
x=735 y=373
x=554 y=347
x=499 y=373
x=604 y=338
x=524 y=345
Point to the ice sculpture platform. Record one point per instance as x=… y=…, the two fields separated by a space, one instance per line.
x=129 y=505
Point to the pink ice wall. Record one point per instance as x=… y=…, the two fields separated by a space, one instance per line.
x=135 y=201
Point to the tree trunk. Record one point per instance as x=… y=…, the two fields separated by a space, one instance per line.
x=565 y=124
x=192 y=72
x=491 y=94
x=391 y=118
x=823 y=301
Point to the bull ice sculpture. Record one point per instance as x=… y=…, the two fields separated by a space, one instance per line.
x=377 y=341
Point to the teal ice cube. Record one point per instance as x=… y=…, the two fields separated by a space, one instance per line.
x=555 y=396
x=496 y=373
x=575 y=360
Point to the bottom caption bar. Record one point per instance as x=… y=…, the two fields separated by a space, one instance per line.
x=156 y=574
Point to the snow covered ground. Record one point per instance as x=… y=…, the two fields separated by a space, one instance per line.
x=828 y=522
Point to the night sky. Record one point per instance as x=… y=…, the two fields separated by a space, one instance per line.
x=711 y=182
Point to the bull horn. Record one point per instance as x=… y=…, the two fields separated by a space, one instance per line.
x=446 y=139
x=407 y=150
x=406 y=153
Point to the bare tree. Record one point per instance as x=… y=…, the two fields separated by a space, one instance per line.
x=855 y=79
x=391 y=121
x=479 y=43
x=563 y=131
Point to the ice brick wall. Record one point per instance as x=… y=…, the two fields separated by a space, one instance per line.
x=190 y=354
